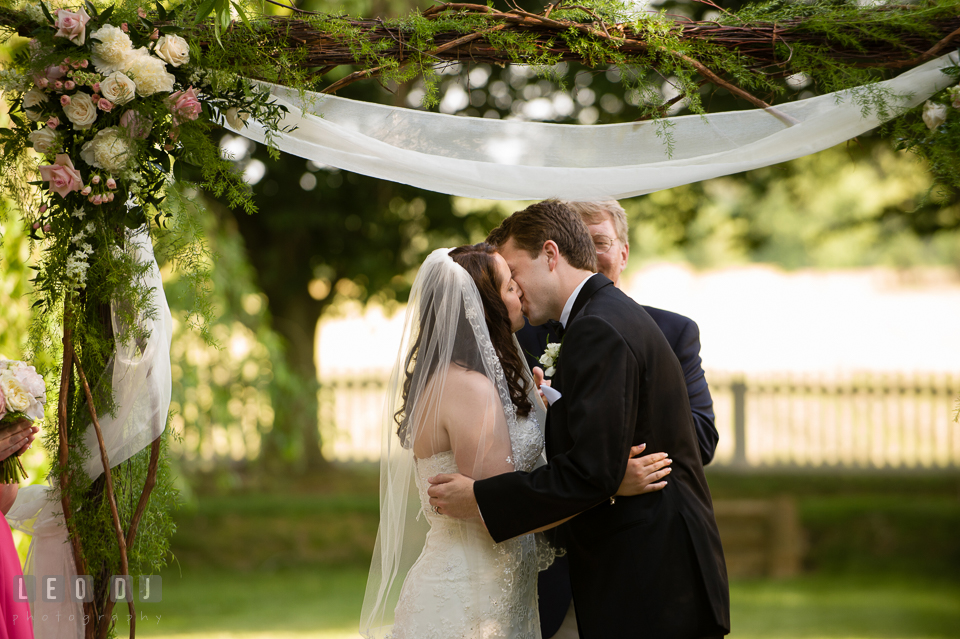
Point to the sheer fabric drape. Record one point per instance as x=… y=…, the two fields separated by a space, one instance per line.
x=509 y=159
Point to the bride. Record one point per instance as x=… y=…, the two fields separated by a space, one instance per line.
x=460 y=399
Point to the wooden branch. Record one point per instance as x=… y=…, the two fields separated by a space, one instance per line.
x=111 y=499
x=64 y=456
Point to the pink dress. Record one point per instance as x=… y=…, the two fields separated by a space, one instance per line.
x=15 y=622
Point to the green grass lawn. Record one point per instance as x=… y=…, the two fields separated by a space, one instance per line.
x=326 y=603
x=882 y=560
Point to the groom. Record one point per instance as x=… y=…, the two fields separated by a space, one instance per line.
x=649 y=565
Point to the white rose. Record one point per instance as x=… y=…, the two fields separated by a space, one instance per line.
x=550 y=371
x=18 y=399
x=31 y=380
x=149 y=73
x=118 y=88
x=44 y=141
x=236 y=118
x=934 y=114
x=109 y=150
x=173 y=49
x=81 y=111
x=34 y=97
x=111 y=53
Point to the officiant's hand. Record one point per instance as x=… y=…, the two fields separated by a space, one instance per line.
x=452 y=496
x=644 y=474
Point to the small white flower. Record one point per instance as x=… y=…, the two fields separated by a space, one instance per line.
x=79 y=213
x=934 y=114
x=90 y=227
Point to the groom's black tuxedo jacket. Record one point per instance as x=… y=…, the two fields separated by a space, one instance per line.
x=649 y=565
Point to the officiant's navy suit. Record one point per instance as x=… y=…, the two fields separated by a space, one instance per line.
x=683 y=335
x=649 y=565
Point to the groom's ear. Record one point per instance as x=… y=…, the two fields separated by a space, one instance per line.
x=551 y=251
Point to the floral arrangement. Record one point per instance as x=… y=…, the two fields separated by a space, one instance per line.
x=549 y=358
x=112 y=104
x=22 y=396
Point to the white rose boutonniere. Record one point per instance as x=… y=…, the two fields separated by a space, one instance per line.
x=549 y=359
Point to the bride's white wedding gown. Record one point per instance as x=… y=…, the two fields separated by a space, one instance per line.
x=465 y=586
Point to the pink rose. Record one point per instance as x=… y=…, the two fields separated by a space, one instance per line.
x=61 y=175
x=64 y=68
x=137 y=126
x=124 y=28
x=155 y=34
x=105 y=105
x=109 y=196
x=96 y=87
x=141 y=12
x=86 y=191
x=42 y=83
x=69 y=85
x=64 y=100
x=95 y=180
x=84 y=64
x=72 y=26
x=94 y=98
x=54 y=72
x=111 y=183
x=46 y=228
x=184 y=105
x=58 y=85
x=53 y=122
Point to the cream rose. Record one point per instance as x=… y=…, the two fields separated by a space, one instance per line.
x=112 y=52
x=109 y=150
x=149 y=73
x=236 y=118
x=118 y=88
x=44 y=141
x=173 y=49
x=33 y=98
x=934 y=114
x=18 y=398
x=82 y=111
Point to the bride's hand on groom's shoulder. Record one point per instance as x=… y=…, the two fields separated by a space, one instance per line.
x=644 y=474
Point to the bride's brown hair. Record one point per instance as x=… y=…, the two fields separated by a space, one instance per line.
x=477 y=260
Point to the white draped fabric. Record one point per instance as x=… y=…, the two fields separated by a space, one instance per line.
x=142 y=384
x=509 y=159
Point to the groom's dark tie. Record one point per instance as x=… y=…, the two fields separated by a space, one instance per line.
x=556 y=327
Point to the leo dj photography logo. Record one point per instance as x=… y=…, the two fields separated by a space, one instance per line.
x=79 y=588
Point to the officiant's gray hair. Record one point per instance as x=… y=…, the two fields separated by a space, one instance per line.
x=597 y=212
x=549 y=220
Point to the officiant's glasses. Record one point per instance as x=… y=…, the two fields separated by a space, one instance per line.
x=602 y=243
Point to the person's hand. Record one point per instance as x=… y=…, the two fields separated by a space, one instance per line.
x=538 y=381
x=644 y=474
x=452 y=495
x=17 y=438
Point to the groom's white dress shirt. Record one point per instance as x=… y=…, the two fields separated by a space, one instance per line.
x=568 y=307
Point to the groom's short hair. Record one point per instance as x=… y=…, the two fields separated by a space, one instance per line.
x=549 y=220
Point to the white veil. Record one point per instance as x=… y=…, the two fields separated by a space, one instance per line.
x=446 y=350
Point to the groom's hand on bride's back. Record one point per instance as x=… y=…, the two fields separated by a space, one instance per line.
x=452 y=495
x=644 y=474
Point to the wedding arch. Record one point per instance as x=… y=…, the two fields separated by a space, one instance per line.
x=107 y=101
